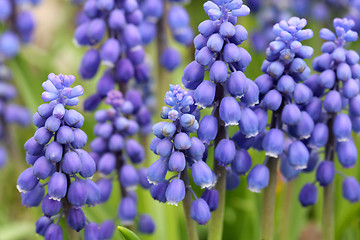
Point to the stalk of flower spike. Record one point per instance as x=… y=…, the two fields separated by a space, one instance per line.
x=61 y=161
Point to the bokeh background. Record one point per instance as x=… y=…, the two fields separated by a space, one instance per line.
x=53 y=51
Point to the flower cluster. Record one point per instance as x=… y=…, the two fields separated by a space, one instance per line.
x=335 y=109
x=114 y=150
x=218 y=53
x=58 y=161
x=160 y=15
x=178 y=152
x=122 y=51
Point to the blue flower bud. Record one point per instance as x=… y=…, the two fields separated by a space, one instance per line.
x=354 y=106
x=38 y=120
x=50 y=207
x=272 y=100
x=308 y=195
x=43 y=168
x=242 y=162
x=237 y=84
x=30 y=159
x=264 y=83
x=6 y=9
x=241 y=12
x=258 y=178
x=351 y=189
x=204 y=56
x=305 y=127
x=200 y=41
x=332 y=101
x=211 y=196
x=33 y=198
x=208 y=128
x=175 y=192
x=91 y=231
x=347 y=153
x=146 y=224
x=215 y=42
x=116 y=143
x=77 y=193
x=42 y=225
x=249 y=124
x=106 y=230
x=177 y=161
x=230 y=111
x=93 y=193
x=350 y=88
x=106 y=163
x=65 y=135
x=298 y=155
x=105 y=186
x=158 y=191
x=80 y=139
x=231 y=53
x=170 y=59
x=27 y=180
x=96 y=30
x=326 y=34
x=225 y=152
x=71 y=163
x=127 y=210
x=202 y=174
x=57 y=186
x=206 y=28
x=327 y=78
x=274 y=142
x=291 y=114
x=243 y=142
x=218 y=72
x=302 y=94
x=157 y=171
x=32 y=147
x=287 y=170
x=54 y=152
x=73 y=118
x=124 y=70
x=275 y=69
x=90 y=64
x=343 y=72
x=135 y=151
x=240 y=35
x=53 y=232
x=314 y=108
x=182 y=141
x=342 y=127
x=129 y=177
x=193 y=75
x=319 y=136
x=286 y=84
x=76 y=219
x=205 y=94
x=52 y=124
x=227 y=29
x=325 y=173
x=200 y=211
x=197 y=149
x=9 y=44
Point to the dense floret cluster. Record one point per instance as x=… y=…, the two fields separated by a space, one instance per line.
x=58 y=162
x=116 y=151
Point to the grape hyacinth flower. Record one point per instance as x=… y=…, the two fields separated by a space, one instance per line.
x=336 y=101
x=283 y=93
x=117 y=152
x=58 y=161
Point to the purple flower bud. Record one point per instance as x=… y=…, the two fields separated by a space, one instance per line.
x=105 y=186
x=33 y=198
x=32 y=147
x=347 y=153
x=177 y=161
x=93 y=193
x=274 y=142
x=298 y=155
x=203 y=176
x=6 y=10
x=343 y=72
x=240 y=35
x=327 y=79
x=90 y=64
x=206 y=28
x=308 y=195
x=205 y=94
x=9 y=44
x=227 y=29
x=127 y=210
x=319 y=136
x=76 y=219
x=117 y=19
x=71 y=163
x=106 y=230
x=305 y=127
x=193 y=75
x=231 y=53
x=230 y=111
x=77 y=193
x=291 y=114
x=342 y=127
x=225 y=152
x=38 y=120
x=351 y=189
x=50 y=207
x=96 y=30
x=65 y=135
x=30 y=159
x=286 y=84
x=92 y=232
x=211 y=196
x=74 y=118
x=237 y=84
x=264 y=83
x=158 y=191
x=241 y=141
x=52 y=124
x=27 y=180
x=204 y=56
x=272 y=100
x=124 y=70
x=275 y=69
x=43 y=168
x=258 y=178
x=175 y=192
x=116 y=143
x=146 y=224
x=302 y=94
x=54 y=152
x=135 y=151
x=42 y=225
x=170 y=59
x=242 y=162
x=350 y=88
x=232 y=180
x=106 y=163
x=200 y=211
x=182 y=141
x=57 y=186
x=207 y=129
x=53 y=232
x=215 y=42
x=314 y=108
x=249 y=123
x=80 y=139
x=129 y=177
x=131 y=35
x=325 y=173
x=196 y=150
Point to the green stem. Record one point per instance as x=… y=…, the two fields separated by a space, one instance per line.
x=268 y=207
x=286 y=219
x=190 y=224
x=328 y=205
x=217 y=217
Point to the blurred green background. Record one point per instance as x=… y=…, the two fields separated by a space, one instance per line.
x=54 y=51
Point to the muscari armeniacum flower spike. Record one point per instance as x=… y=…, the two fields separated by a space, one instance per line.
x=58 y=161
x=118 y=153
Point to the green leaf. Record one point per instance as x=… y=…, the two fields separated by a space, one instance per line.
x=127 y=234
